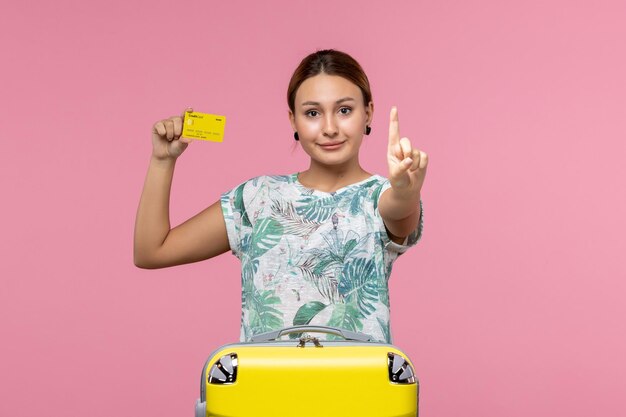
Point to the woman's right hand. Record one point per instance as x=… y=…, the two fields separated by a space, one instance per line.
x=166 y=140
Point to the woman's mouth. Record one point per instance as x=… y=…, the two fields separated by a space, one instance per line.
x=331 y=146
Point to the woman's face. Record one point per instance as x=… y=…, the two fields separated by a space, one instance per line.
x=330 y=118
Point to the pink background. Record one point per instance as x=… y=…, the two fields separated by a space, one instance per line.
x=513 y=303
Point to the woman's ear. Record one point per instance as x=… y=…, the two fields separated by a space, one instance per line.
x=292 y=120
x=369 y=111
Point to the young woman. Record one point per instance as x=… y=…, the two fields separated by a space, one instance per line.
x=316 y=247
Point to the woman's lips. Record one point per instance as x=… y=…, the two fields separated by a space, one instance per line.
x=331 y=146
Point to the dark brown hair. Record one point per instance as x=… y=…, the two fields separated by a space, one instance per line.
x=331 y=62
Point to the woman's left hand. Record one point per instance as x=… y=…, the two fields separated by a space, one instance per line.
x=407 y=165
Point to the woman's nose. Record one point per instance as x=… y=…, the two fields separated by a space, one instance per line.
x=330 y=126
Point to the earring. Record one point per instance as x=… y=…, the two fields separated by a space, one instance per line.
x=368 y=130
x=295 y=136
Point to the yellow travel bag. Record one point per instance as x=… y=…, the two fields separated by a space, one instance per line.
x=349 y=375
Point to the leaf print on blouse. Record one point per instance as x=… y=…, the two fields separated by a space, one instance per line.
x=358 y=285
x=345 y=316
x=320 y=209
x=322 y=266
x=305 y=314
x=316 y=209
x=292 y=222
x=317 y=272
x=340 y=247
x=239 y=207
x=376 y=195
x=266 y=234
x=384 y=328
x=262 y=316
x=356 y=202
x=259 y=305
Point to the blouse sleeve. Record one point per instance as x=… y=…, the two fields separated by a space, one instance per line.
x=235 y=215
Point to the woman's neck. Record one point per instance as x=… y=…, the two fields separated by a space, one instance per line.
x=331 y=178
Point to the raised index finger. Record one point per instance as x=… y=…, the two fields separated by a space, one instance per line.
x=394 y=129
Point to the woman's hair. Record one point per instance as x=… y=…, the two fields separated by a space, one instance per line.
x=330 y=62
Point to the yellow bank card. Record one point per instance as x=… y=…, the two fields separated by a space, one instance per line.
x=204 y=126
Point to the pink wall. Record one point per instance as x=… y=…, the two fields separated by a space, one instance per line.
x=512 y=305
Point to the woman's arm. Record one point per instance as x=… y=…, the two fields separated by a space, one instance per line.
x=399 y=205
x=401 y=214
x=155 y=244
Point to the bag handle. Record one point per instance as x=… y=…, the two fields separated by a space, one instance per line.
x=346 y=334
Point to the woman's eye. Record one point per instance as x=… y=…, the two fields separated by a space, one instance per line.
x=345 y=110
x=312 y=113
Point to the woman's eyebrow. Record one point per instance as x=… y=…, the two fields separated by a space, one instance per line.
x=315 y=103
